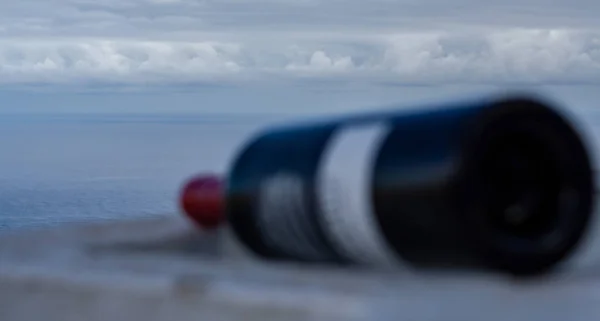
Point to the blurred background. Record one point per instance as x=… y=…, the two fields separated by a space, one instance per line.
x=107 y=107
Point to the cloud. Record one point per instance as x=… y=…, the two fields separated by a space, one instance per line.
x=320 y=62
x=114 y=61
x=506 y=56
x=228 y=41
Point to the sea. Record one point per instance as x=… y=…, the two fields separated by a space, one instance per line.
x=71 y=168
x=59 y=169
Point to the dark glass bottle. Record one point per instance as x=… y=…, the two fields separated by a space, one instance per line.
x=505 y=184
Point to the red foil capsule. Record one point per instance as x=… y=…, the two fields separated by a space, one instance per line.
x=202 y=201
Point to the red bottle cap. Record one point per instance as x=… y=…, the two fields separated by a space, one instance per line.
x=202 y=200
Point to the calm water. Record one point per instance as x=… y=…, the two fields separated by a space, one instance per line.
x=57 y=169
x=72 y=168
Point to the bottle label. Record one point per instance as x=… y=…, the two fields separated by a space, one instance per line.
x=283 y=217
x=344 y=194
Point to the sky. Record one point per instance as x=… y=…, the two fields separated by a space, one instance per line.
x=248 y=56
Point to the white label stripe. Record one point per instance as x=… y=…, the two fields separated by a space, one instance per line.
x=344 y=194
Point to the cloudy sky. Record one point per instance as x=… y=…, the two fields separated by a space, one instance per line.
x=290 y=55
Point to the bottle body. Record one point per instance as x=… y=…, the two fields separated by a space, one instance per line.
x=416 y=188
